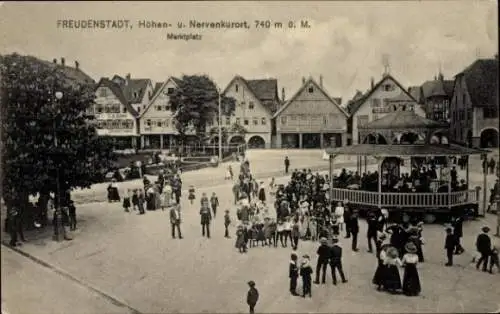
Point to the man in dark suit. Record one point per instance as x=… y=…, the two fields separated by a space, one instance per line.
x=322 y=263
x=206 y=217
x=287 y=164
x=372 y=230
x=353 y=224
x=336 y=261
x=457 y=223
x=449 y=245
x=175 y=220
x=483 y=246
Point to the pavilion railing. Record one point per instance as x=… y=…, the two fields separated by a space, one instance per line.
x=406 y=200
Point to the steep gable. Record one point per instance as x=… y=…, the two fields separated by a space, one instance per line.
x=118 y=92
x=304 y=89
x=357 y=104
x=171 y=81
x=264 y=90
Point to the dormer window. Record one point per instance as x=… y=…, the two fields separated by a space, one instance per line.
x=388 y=87
x=124 y=109
x=148 y=123
x=311 y=90
x=170 y=91
x=236 y=87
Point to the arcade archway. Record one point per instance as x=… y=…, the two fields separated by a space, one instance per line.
x=489 y=138
x=256 y=142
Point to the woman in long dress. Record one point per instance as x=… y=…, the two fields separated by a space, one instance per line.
x=339 y=214
x=411 y=280
x=378 y=278
x=392 y=279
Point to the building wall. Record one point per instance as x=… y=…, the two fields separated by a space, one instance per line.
x=158 y=119
x=482 y=123
x=112 y=116
x=433 y=104
x=249 y=112
x=311 y=112
x=146 y=98
x=461 y=113
x=366 y=110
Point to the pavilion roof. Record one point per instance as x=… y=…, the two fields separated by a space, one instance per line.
x=403 y=120
x=422 y=150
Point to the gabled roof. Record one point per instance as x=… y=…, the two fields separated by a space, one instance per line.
x=449 y=85
x=481 y=78
x=118 y=92
x=156 y=88
x=404 y=150
x=265 y=90
x=134 y=89
x=301 y=89
x=403 y=120
x=358 y=103
x=159 y=89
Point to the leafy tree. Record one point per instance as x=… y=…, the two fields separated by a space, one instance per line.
x=34 y=121
x=195 y=103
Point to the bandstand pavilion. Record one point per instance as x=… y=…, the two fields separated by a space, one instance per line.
x=405 y=135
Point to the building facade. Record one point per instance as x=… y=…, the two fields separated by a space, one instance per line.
x=256 y=101
x=157 y=127
x=387 y=96
x=474 y=105
x=311 y=119
x=435 y=95
x=114 y=115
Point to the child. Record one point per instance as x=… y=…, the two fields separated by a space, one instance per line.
x=191 y=195
x=293 y=274
x=295 y=234
x=494 y=260
x=287 y=233
x=240 y=239
x=281 y=232
x=273 y=233
x=126 y=201
x=227 y=222
x=306 y=274
x=214 y=201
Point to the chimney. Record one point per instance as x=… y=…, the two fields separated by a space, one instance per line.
x=321 y=81
x=55 y=61
x=283 y=94
x=372 y=83
x=63 y=61
x=303 y=80
x=77 y=65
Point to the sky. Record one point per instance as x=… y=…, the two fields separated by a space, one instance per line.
x=346 y=43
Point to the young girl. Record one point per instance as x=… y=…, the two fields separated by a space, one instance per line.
x=280 y=232
x=126 y=201
x=240 y=239
x=191 y=195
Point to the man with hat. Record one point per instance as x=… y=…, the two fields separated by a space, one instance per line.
x=336 y=260
x=227 y=222
x=306 y=273
x=372 y=230
x=457 y=224
x=483 y=246
x=352 y=224
x=252 y=296
x=322 y=263
x=206 y=217
x=347 y=218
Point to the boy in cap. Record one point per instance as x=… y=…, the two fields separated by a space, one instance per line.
x=252 y=296
x=227 y=222
x=449 y=245
x=306 y=274
x=293 y=274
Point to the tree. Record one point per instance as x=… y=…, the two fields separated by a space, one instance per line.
x=34 y=121
x=195 y=102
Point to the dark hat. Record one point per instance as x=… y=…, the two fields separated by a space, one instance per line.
x=227 y=211
x=485 y=229
x=251 y=283
x=410 y=247
x=449 y=229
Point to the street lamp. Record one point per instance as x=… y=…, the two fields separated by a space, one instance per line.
x=220 y=127
x=58 y=224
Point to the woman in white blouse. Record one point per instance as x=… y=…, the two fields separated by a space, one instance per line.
x=411 y=280
x=339 y=214
x=392 y=282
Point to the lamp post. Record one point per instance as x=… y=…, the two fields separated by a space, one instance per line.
x=220 y=127
x=58 y=224
x=497 y=200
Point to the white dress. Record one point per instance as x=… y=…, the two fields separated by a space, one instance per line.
x=339 y=213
